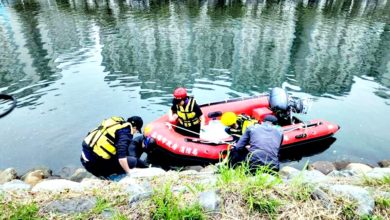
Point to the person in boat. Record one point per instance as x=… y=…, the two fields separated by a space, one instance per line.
x=114 y=147
x=236 y=124
x=187 y=113
x=262 y=142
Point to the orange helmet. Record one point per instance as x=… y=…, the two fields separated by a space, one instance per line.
x=180 y=93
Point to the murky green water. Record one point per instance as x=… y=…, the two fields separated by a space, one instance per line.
x=73 y=63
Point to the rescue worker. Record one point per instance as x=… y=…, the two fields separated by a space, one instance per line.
x=263 y=142
x=236 y=125
x=187 y=113
x=114 y=147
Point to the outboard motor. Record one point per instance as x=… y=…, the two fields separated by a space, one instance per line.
x=284 y=105
x=278 y=99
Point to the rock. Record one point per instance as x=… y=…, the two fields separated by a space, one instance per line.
x=180 y=189
x=15 y=185
x=324 y=167
x=196 y=168
x=80 y=174
x=358 y=167
x=34 y=177
x=67 y=172
x=384 y=163
x=147 y=172
x=138 y=192
x=210 y=201
x=342 y=173
x=209 y=169
x=7 y=175
x=364 y=200
x=324 y=198
x=341 y=165
x=378 y=173
x=309 y=176
x=92 y=183
x=287 y=171
x=189 y=172
x=57 y=185
x=75 y=205
x=209 y=180
x=46 y=172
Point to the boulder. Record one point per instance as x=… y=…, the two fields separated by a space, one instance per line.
x=287 y=171
x=7 y=175
x=341 y=165
x=309 y=176
x=196 y=168
x=46 y=172
x=15 y=185
x=34 y=177
x=80 y=174
x=92 y=183
x=210 y=201
x=189 y=172
x=147 y=172
x=324 y=198
x=343 y=173
x=208 y=180
x=138 y=192
x=378 y=173
x=324 y=167
x=209 y=169
x=57 y=185
x=67 y=172
x=364 y=200
x=75 y=205
x=384 y=163
x=358 y=167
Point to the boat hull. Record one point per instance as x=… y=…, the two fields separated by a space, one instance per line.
x=175 y=149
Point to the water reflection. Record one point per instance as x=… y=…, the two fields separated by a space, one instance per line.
x=81 y=53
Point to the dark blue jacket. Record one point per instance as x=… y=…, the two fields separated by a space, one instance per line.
x=265 y=141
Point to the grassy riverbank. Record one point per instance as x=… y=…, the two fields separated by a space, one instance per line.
x=177 y=195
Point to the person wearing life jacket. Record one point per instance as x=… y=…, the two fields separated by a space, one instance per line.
x=187 y=113
x=236 y=124
x=263 y=142
x=114 y=147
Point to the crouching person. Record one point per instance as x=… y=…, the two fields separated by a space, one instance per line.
x=114 y=147
x=263 y=142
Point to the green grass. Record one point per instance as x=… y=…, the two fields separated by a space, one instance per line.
x=385 y=181
x=119 y=216
x=15 y=211
x=101 y=205
x=382 y=202
x=347 y=208
x=171 y=206
x=252 y=187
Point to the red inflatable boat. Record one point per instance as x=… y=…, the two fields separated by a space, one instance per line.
x=175 y=149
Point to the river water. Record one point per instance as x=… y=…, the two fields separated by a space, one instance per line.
x=72 y=63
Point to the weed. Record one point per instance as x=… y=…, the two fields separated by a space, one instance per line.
x=14 y=211
x=384 y=182
x=167 y=206
x=119 y=216
x=300 y=190
x=101 y=205
x=262 y=203
x=348 y=208
x=371 y=217
x=382 y=202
